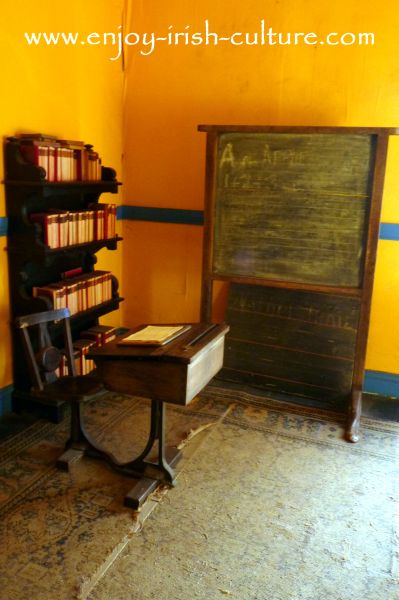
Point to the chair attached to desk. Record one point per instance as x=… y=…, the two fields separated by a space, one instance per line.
x=173 y=373
x=44 y=359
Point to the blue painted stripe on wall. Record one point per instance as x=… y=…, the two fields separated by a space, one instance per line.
x=378 y=382
x=389 y=231
x=3 y=226
x=179 y=216
x=5 y=399
x=182 y=216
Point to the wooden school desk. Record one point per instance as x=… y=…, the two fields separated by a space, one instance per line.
x=175 y=372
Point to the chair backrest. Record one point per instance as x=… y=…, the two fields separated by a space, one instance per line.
x=43 y=357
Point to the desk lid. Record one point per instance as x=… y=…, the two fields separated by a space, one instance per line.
x=182 y=349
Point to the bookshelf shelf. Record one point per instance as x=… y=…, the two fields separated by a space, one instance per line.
x=33 y=264
x=106 y=186
x=44 y=251
x=96 y=311
x=93 y=246
x=83 y=319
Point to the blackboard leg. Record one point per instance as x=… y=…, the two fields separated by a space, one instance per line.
x=353 y=425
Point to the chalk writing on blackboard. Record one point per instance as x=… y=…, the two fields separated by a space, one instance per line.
x=293 y=207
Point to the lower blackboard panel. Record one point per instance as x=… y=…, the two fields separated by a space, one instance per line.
x=291 y=342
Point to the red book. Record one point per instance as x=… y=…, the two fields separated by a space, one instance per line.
x=62 y=222
x=91 y=225
x=82 y=295
x=37 y=152
x=106 y=332
x=58 y=163
x=73 y=298
x=50 y=228
x=85 y=227
x=56 y=292
x=113 y=220
x=77 y=151
x=53 y=227
x=88 y=334
x=98 y=216
x=52 y=166
x=80 y=227
x=83 y=346
x=72 y=273
x=109 y=217
x=101 y=334
x=75 y=227
x=90 y=289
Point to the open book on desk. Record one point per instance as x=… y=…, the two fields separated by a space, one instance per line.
x=154 y=335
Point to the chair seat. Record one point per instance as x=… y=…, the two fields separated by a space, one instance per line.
x=72 y=389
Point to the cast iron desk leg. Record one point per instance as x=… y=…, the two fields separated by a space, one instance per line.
x=167 y=458
x=161 y=470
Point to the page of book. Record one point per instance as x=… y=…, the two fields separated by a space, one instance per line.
x=155 y=334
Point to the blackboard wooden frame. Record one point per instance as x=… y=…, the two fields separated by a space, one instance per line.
x=362 y=292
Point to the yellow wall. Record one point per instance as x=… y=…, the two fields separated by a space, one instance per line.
x=170 y=92
x=383 y=347
x=75 y=93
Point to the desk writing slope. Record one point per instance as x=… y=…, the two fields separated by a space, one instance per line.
x=295 y=212
x=293 y=207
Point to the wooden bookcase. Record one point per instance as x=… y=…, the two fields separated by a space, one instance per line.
x=32 y=263
x=291 y=224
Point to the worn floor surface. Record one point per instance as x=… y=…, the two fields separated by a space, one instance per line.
x=274 y=506
x=271 y=504
x=60 y=531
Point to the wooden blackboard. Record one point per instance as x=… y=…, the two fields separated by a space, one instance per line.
x=291 y=222
x=293 y=207
x=291 y=342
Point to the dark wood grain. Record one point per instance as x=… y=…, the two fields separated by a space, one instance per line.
x=31 y=263
x=355 y=406
x=293 y=342
x=309 y=287
x=173 y=373
x=210 y=178
x=298 y=129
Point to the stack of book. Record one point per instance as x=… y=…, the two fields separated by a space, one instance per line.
x=104 y=219
x=78 y=293
x=63 y=160
x=94 y=337
x=65 y=228
x=100 y=334
x=83 y=365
